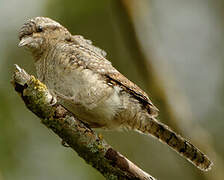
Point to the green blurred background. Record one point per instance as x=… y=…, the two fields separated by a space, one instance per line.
x=174 y=50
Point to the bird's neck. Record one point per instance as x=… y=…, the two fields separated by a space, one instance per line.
x=43 y=59
x=37 y=55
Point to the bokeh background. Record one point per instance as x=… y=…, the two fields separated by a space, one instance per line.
x=172 y=49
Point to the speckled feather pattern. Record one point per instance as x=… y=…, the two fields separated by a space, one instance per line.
x=87 y=84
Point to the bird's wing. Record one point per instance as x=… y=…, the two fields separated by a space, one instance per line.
x=99 y=64
x=133 y=89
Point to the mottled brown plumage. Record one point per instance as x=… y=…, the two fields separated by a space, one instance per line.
x=87 y=84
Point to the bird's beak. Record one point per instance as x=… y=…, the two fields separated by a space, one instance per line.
x=25 y=41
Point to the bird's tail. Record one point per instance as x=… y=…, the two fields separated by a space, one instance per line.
x=176 y=142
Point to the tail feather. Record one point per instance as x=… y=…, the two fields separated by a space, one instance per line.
x=176 y=142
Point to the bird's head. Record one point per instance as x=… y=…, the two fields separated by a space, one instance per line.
x=40 y=33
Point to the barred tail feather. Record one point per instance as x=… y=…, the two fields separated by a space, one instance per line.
x=176 y=142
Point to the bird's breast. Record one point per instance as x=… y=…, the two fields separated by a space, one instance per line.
x=88 y=96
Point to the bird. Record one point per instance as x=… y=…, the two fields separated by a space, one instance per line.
x=84 y=81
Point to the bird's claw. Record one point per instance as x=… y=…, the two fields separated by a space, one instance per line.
x=53 y=101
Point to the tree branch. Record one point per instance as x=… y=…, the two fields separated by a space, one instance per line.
x=90 y=146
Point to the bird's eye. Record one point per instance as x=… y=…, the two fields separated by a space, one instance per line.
x=39 y=28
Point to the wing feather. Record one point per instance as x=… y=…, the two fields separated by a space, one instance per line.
x=96 y=61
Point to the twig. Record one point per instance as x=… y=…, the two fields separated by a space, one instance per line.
x=90 y=146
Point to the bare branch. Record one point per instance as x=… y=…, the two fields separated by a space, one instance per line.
x=90 y=146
